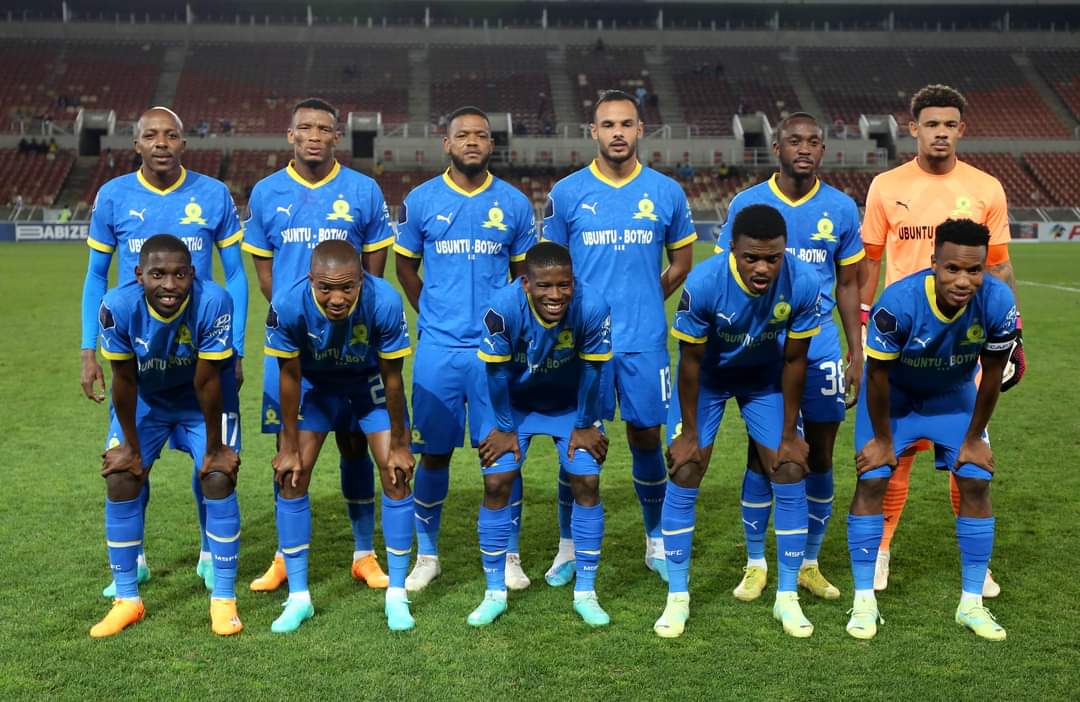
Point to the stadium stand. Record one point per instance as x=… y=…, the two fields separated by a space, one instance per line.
x=107 y=76
x=1059 y=174
x=593 y=69
x=24 y=73
x=37 y=178
x=361 y=79
x=1061 y=69
x=1021 y=190
x=245 y=168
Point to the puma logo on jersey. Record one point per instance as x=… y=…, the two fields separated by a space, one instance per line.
x=921 y=342
x=141 y=214
x=144 y=343
x=286 y=210
x=904 y=205
x=443 y=218
x=590 y=208
x=726 y=317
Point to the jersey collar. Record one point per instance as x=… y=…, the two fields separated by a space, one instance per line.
x=545 y=325
x=300 y=179
x=158 y=191
x=774 y=186
x=323 y=312
x=168 y=320
x=595 y=170
x=462 y=191
x=931 y=297
x=737 y=277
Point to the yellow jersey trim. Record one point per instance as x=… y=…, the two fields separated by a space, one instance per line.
x=687 y=338
x=737 y=277
x=215 y=355
x=398 y=248
x=717 y=248
x=492 y=359
x=400 y=353
x=113 y=356
x=168 y=320
x=300 y=179
x=804 y=334
x=931 y=297
x=323 y=312
x=775 y=188
x=98 y=246
x=596 y=356
x=157 y=191
x=280 y=354
x=685 y=241
x=462 y=191
x=853 y=259
x=518 y=259
x=882 y=355
x=545 y=325
x=378 y=245
x=595 y=170
x=231 y=239
x=252 y=249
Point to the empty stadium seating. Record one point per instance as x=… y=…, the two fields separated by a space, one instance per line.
x=1021 y=190
x=362 y=79
x=120 y=77
x=247 y=167
x=1058 y=174
x=36 y=177
x=593 y=71
x=1061 y=69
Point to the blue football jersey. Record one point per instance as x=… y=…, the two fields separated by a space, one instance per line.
x=822 y=229
x=338 y=356
x=741 y=330
x=467 y=241
x=290 y=217
x=166 y=348
x=197 y=209
x=934 y=353
x=545 y=358
x=617 y=234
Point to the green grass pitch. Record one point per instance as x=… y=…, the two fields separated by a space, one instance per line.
x=54 y=561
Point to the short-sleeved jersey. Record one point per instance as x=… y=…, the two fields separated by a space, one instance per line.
x=290 y=217
x=545 y=358
x=467 y=241
x=617 y=234
x=197 y=209
x=822 y=229
x=743 y=331
x=338 y=356
x=934 y=353
x=166 y=349
x=905 y=205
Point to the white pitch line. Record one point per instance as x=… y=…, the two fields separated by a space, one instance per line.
x=1048 y=285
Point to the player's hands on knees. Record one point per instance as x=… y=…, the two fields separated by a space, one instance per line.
x=121 y=459
x=400 y=459
x=852 y=379
x=239 y=373
x=589 y=439
x=976 y=451
x=223 y=460
x=287 y=467
x=875 y=454
x=684 y=449
x=91 y=377
x=496 y=444
x=793 y=449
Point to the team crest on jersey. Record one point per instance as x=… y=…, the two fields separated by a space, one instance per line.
x=975 y=334
x=645 y=209
x=780 y=312
x=271 y=416
x=495 y=219
x=183 y=335
x=114 y=441
x=359 y=335
x=417 y=437
x=565 y=340
x=824 y=230
x=962 y=207
x=192 y=214
x=340 y=211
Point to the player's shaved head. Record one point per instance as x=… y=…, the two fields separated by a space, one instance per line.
x=334 y=253
x=163 y=243
x=547 y=254
x=759 y=222
x=963 y=232
x=158 y=111
x=937 y=95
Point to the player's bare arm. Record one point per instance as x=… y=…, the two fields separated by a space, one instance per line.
x=91 y=376
x=684 y=449
x=847 y=302
x=975 y=449
x=400 y=461
x=127 y=457
x=408 y=275
x=793 y=449
x=374 y=262
x=878 y=451
x=264 y=269
x=681 y=261
x=286 y=463
x=219 y=457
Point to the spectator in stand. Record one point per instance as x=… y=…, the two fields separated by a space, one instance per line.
x=110 y=159
x=203 y=129
x=24 y=146
x=52 y=149
x=378 y=169
x=65 y=215
x=640 y=93
x=684 y=171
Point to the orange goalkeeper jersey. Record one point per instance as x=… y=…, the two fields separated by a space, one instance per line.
x=905 y=205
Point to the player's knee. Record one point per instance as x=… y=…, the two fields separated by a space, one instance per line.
x=974 y=494
x=216 y=485
x=585 y=489
x=787 y=474
x=689 y=475
x=435 y=461
x=497 y=489
x=643 y=438
x=120 y=487
x=869 y=496
x=290 y=491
